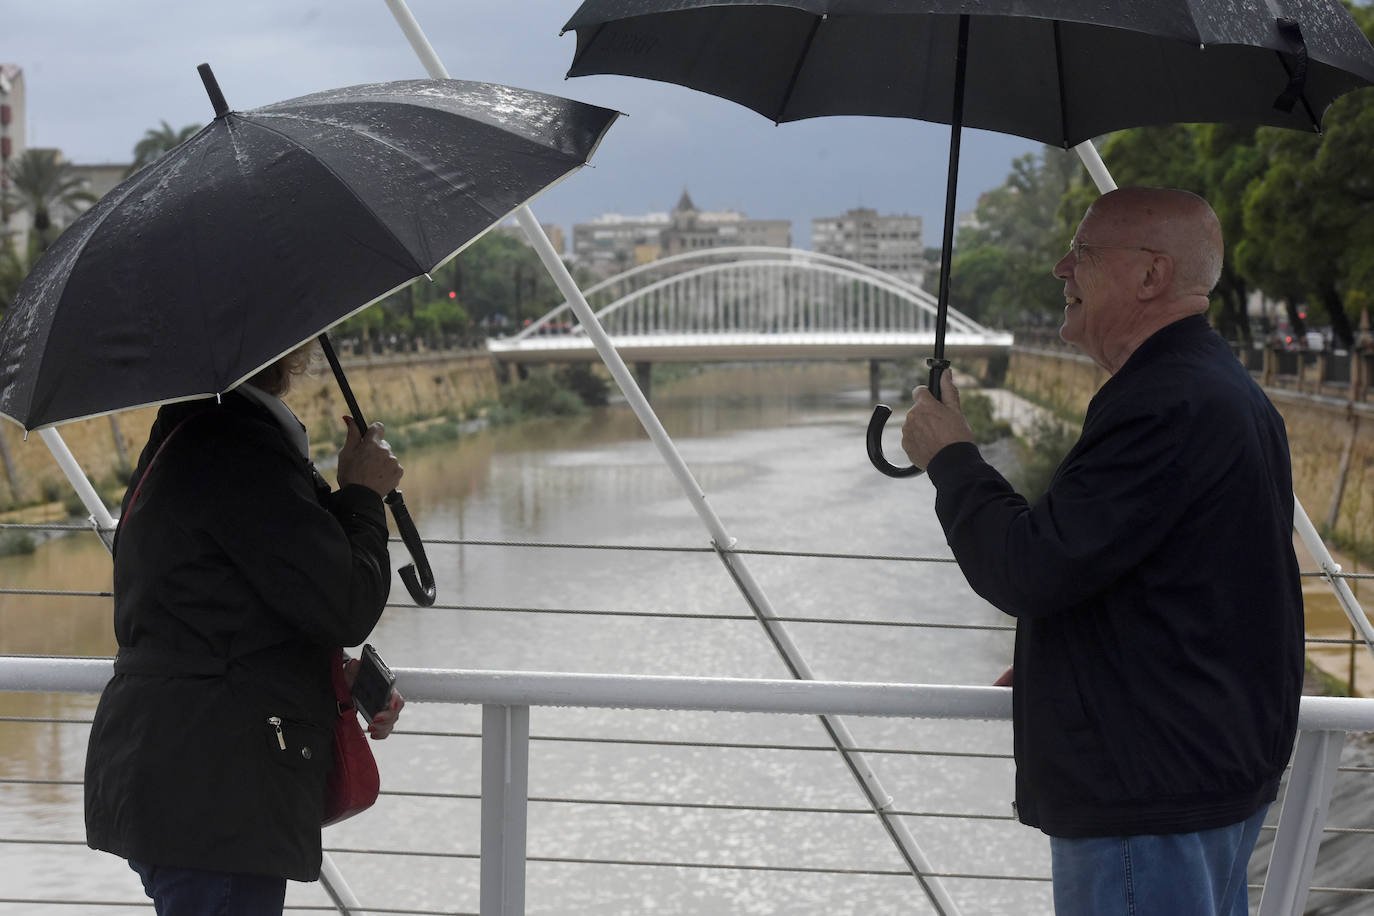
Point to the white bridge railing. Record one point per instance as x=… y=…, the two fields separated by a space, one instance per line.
x=506 y=698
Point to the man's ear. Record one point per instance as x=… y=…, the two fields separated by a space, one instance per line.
x=1157 y=278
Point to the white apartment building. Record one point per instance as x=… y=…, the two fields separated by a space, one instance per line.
x=612 y=243
x=889 y=243
x=13 y=142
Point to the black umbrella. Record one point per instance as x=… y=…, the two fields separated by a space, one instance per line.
x=268 y=227
x=1058 y=71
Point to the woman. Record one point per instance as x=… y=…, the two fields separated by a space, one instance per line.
x=237 y=574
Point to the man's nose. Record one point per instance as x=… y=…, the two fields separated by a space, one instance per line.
x=1064 y=268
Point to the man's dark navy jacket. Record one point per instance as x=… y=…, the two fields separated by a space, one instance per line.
x=1159 y=639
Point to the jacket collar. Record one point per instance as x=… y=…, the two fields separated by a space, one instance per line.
x=1167 y=338
x=291 y=426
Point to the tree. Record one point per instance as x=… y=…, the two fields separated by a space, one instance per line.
x=1309 y=220
x=1001 y=271
x=158 y=141
x=500 y=275
x=45 y=186
x=1216 y=162
x=13 y=268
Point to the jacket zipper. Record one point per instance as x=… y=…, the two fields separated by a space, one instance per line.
x=275 y=722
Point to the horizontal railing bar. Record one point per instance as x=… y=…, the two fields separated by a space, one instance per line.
x=46 y=674
x=331 y=908
x=552 y=545
x=682 y=615
x=722 y=866
x=342 y=908
x=571 y=860
x=661 y=548
x=668 y=615
x=625 y=802
x=41 y=782
x=412 y=853
x=46 y=526
x=30 y=901
x=46 y=720
x=297 y=908
x=56 y=592
x=726 y=745
x=702 y=806
x=808 y=554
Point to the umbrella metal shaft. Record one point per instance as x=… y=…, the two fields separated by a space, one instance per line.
x=956 y=129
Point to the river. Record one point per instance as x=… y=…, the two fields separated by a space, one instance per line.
x=779 y=451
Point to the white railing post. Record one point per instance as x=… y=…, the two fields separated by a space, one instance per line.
x=1301 y=820
x=338 y=890
x=100 y=519
x=505 y=804
x=1312 y=540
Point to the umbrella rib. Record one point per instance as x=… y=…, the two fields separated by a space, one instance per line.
x=582 y=53
x=1059 y=74
x=415 y=263
x=149 y=173
x=796 y=71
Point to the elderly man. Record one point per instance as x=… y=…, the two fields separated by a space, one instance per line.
x=1158 y=660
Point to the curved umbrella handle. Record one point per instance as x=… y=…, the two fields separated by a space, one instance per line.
x=875 y=445
x=879 y=419
x=417 y=576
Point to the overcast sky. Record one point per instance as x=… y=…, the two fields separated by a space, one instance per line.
x=100 y=74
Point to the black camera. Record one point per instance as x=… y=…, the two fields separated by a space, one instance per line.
x=372 y=687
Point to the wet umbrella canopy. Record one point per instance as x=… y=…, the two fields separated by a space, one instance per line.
x=266 y=228
x=1058 y=71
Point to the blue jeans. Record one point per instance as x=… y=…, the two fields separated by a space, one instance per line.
x=192 y=892
x=1182 y=874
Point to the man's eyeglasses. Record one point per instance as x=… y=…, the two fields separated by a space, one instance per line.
x=1076 y=248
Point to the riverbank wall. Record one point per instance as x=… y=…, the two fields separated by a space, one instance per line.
x=396 y=388
x=1332 y=440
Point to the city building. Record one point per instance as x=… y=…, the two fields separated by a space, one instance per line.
x=614 y=242
x=13 y=142
x=690 y=229
x=554 y=232
x=889 y=243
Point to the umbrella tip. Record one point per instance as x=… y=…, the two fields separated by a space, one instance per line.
x=207 y=77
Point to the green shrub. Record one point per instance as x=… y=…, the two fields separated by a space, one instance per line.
x=1050 y=440
x=14 y=542
x=590 y=387
x=541 y=395
x=978 y=412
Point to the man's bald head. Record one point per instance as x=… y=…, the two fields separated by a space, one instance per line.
x=1176 y=222
x=1142 y=258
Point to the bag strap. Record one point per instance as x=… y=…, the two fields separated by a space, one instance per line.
x=138 y=488
x=342 y=695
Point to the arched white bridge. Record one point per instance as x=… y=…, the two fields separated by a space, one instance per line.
x=752 y=303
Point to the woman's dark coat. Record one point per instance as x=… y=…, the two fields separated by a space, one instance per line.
x=236 y=575
x=1159 y=635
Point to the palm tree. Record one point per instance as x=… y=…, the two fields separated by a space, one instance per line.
x=158 y=141
x=14 y=266
x=42 y=183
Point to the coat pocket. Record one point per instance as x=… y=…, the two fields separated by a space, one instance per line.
x=297 y=745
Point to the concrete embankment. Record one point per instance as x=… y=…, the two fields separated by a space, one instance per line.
x=396 y=389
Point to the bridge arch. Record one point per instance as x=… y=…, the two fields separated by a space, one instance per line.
x=754 y=289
